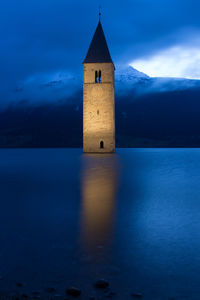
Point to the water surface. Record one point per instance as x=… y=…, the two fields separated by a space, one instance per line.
x=133 y=218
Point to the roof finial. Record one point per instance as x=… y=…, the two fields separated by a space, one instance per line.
x=99 y=12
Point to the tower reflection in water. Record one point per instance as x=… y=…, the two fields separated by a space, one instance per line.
x=99 y=187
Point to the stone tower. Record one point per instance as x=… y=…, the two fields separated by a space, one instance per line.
x=98 y=96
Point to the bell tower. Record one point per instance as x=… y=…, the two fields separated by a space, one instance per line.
x=98 y=96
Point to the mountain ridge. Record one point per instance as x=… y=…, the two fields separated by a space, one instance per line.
x=63 y=85
x=149 y=113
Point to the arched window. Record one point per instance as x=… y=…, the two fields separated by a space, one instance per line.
x=98 y=76
x=101 y=145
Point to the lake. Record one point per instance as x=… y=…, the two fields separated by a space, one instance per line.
x=133 y=218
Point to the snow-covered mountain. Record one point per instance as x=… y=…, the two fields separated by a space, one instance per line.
x=55 y=86
x=128 y=78
x=149 y=111
x=129 y=74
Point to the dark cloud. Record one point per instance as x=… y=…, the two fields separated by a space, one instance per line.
x=41 y=37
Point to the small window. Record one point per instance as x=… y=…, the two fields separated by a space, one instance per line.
x=97 y=112
x=98 y=76
x=101 y=145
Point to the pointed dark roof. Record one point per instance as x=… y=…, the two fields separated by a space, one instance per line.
x=98 y=51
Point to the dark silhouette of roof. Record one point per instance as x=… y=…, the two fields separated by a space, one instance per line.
x=98 y=51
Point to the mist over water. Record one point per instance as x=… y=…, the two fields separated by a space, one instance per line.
x=133 y=218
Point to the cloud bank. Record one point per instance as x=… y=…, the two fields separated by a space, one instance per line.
x=177 y=61
x=43 y=38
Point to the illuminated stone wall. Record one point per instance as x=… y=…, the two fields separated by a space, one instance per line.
x=98 y=108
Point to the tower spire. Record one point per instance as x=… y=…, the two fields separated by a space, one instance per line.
x=98 y=51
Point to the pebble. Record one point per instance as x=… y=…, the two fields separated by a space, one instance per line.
x=73 y=291
x=51 y=290
x=101 y=284
x=19 y=284
x=109 y=294
x=57 y=296
x=36 y=293
x=24 y=296
x=137 y=295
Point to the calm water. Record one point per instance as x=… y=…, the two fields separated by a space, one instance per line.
x=132 y=218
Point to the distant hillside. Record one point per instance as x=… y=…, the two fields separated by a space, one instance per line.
x=150 y=112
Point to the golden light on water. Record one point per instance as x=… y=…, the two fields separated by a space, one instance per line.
x=99 y=186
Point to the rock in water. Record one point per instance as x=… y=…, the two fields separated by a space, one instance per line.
x=24 y=296
x=73 y=291
x=51 y=290
x=19 y=284
x=57 y=297
x=109 y=294
x=101 y=284
x=36 y=293
x=137 y=295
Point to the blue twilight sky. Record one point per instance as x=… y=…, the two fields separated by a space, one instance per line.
x=43 y=39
